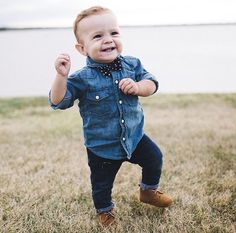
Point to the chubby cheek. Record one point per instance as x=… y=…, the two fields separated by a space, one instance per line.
x=119 y=47
x=93 y=50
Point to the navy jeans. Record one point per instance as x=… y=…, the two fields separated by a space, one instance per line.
x=103 y=172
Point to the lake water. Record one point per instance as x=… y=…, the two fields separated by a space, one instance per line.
x=185 y=59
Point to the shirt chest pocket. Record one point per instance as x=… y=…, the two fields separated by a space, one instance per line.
x=98 y=103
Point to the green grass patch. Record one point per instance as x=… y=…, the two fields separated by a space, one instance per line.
x=10 y=105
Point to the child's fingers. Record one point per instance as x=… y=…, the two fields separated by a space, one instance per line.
x=124 y=82
x=127 y=89
x=62 y=60
x=127 y=86
x=63 y=57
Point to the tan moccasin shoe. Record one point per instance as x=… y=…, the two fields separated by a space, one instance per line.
x=155 y=198
x=106 y=219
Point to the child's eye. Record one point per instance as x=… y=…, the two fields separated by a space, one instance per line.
x=115 y=33
x=97 y=36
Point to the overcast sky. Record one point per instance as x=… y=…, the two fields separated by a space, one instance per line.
x=41 y=13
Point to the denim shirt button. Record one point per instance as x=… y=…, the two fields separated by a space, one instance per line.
x=122 y=121
x=97 y=97
x=120 y=101
x=123 y=139
x=116 y=82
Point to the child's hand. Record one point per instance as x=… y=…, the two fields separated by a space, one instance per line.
x=62 y=65
x=129 y=86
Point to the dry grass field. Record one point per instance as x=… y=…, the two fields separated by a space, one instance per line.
x=44 y=177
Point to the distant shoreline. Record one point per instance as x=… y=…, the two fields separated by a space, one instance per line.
x=122 y=26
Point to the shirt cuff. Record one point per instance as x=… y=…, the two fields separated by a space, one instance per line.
x=65 y=102
x=150 y=77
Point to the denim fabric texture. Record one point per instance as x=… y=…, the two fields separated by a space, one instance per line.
x=103 y=172
x=112 y=121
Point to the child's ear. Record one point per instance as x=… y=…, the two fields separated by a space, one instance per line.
x=81 y=49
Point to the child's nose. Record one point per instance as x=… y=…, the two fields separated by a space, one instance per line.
x=107 y=39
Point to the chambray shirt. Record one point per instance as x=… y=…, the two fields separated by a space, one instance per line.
x=112 y=121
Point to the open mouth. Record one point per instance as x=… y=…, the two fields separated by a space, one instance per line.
x=108 y=49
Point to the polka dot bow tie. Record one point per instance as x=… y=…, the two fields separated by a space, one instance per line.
x=113 y=66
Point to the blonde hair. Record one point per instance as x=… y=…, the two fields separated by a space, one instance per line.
x=95 y=10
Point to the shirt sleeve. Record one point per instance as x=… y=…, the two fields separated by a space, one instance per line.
x=72 y=93
x=142 y=74
x=65 y=103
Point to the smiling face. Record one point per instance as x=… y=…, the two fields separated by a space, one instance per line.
x=99 y=37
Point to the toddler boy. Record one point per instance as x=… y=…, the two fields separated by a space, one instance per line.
x=107 y=90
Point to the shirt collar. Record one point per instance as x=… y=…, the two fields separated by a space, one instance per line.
x=91 y=63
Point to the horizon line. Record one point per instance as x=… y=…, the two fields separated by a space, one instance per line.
x=5 y=28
